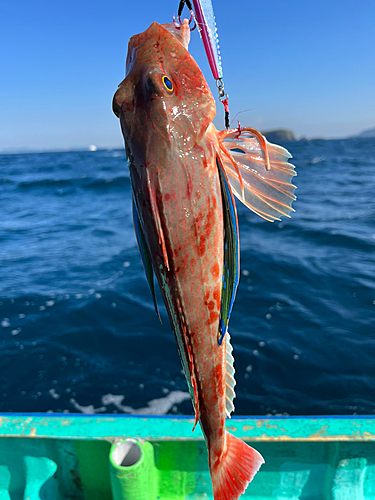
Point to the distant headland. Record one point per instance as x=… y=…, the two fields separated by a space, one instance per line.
x=284 y=135
x=279 y=135
x=367 y=133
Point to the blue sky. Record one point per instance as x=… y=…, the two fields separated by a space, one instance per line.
x=302 y=65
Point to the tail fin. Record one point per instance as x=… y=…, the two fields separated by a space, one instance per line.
x=235 y=469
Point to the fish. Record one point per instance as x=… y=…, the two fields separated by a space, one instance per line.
x=184 y=176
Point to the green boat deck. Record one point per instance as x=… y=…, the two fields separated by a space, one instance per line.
x=58 y=457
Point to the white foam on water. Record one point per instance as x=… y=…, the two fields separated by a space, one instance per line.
x=159 y=406
x=86 y=409
x=54 y=394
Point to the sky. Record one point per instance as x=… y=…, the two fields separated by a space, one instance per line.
x=307 y=66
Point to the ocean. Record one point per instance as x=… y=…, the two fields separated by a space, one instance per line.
x=78 y=332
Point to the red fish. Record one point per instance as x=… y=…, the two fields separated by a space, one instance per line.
x=183 y=176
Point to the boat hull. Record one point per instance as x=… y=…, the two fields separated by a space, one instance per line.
x=80 y=456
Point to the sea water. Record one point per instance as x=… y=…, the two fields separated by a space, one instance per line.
x=78 y=332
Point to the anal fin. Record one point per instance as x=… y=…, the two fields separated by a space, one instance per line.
x=229 y=377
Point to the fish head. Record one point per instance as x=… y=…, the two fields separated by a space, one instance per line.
x=164 y=102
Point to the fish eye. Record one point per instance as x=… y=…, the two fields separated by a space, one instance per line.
x=167 y=84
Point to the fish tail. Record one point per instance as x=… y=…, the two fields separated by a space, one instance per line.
x=234 y=469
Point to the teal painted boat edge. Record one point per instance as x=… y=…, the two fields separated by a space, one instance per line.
x=155 y=428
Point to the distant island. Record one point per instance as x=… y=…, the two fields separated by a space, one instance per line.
x=367 y=133
x=280 y=135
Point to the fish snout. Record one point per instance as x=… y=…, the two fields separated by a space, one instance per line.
x=116 y=107
x=122 y=96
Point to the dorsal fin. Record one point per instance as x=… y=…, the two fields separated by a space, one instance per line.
x=229 y=377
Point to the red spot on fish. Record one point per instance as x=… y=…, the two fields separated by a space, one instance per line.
x=198 y=223
x=202 y=246
x=219 y=380
x=214 y=316
x=215 y=270
x=217 y=296
x=183 y=261
x=214 y=202
x=219 y=373
x=210 y=221
x=178 y=269
x=198 y=194
x=221 y=431
x=189 y=187
x=167 y=197
x=211 y=305
x=156 y=45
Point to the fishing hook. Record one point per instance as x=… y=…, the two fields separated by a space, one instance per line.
x=180 y=9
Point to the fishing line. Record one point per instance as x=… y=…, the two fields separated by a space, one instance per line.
x=243 y=111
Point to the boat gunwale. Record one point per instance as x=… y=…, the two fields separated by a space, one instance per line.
x=111 y=427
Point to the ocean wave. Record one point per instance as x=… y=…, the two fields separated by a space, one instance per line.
x=77 y=318
x=81 y=182
x=117 y=182
x=45 y=183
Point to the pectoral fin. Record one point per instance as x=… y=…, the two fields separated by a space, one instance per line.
x=145 y=256
x=231 y=253
x=258 y=172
